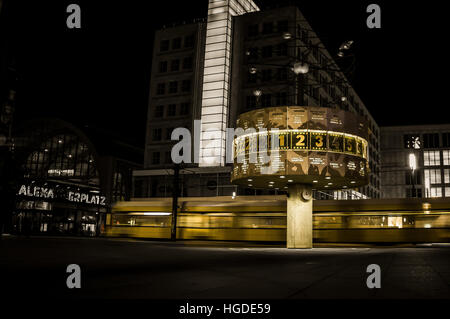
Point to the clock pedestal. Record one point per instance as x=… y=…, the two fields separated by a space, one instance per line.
x=299 y=216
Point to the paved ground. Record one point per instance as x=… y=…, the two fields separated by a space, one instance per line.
x=161 y=270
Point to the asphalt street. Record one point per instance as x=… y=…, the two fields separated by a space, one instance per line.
x=116 y=268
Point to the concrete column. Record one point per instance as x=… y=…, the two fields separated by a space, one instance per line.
x=299 y=216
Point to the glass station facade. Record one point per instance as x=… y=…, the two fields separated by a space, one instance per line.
x=65 y=184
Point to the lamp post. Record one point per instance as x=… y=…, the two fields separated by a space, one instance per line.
x=412 y=166
x=303 y=65
x=176 y=183
x=300 y=68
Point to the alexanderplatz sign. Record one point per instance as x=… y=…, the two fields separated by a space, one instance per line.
x=297 y=148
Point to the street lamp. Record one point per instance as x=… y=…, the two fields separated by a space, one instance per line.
x=413 y=166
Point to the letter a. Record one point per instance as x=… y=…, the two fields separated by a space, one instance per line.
x=374 y=280
x=74 y=19
x=374 y=19
x=183 y=146
x=74 y=279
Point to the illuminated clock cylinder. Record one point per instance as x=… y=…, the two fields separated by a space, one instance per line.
x=278 y=146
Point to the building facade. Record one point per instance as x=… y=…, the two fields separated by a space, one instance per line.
x=66 y=179
x=209 y=70
x=426 y=148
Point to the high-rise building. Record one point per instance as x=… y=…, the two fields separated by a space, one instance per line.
x=415 y=161
x=238 y=59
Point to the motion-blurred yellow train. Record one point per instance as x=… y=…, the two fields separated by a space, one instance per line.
x=263 y=219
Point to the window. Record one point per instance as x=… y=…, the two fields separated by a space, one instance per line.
x=416 y=192
x=266 y=100
x=417 y=178
x=282 y=26
x=445 y=139
x=253 y=30
x=172 y=110
x=412 y=141
x=431 y=158
x=161 y=89
x=173 y=87
x=164 y=45
x=282 y=49
x=281 y=98
x=168 y=157
x=266 y=75
x=431 y=140
x=282 y=74
x=447 y=191
x=156 y=157
x=169 y=133
x=267 y=51
x=251 y=101
x=186 y=85
x=189 y=41
x=436 y=191
x=175 y=65
x=251 y=78
x=176 y=43
x=184 y=108
x=446 y=157
x=432 y=176
x=187 y=63
x=267 y=28
x=157 y=134
x=162 y=66
x=252 y=53
x=305 y=35
x=447 y=176
x=159 y=111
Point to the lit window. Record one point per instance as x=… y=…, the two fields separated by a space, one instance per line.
x=447 y=191
x=431 y=158
x=447 y=176
x=446 y=157
x=432 y=176
x=436 y=191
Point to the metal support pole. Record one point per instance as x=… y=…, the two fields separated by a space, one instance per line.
x=300 y=100
x=176 y=176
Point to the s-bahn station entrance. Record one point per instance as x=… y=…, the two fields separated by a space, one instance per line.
x=66 y=179
x=53 y=208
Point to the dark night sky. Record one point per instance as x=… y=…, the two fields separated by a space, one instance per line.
x=99 y=75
